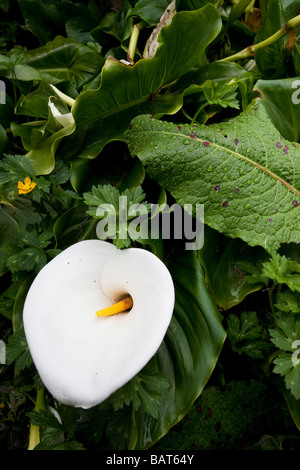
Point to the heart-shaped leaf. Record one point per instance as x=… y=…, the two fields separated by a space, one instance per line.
x=103 y=115
x=243 y=171
x=66 y=59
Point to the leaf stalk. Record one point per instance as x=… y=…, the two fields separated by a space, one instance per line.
x=251 y=50
x=133 y=41
x=34 y=432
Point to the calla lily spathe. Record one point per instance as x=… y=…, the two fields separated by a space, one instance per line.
x=82 y=358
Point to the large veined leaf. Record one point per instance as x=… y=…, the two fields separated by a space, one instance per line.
x=103 y=115
x=188 y=353
x=243 y=171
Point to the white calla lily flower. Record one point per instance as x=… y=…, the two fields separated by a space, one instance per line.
x=82 y=352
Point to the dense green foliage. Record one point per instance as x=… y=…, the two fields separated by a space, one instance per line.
x=192 y=102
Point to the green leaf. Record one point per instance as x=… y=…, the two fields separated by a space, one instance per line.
x=144 y=390
x=246 y=175
x=41 y=138
x=41 y=18
x=286 y=332
x=288 y=302
x=106 y=202
x=286 y=337
x=17 y=350
x=284 y=366
x=221 y=93
x=66 y=60
x=14 y=168
x=282 y=270
x=246 y=334
x=149 y=12
x=103 y=115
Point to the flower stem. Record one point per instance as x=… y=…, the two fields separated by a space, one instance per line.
x=251 y=50
x=34 y=432
x=133 y=41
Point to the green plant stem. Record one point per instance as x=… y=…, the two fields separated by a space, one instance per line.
x=270 y=295
x=198 y=112
x=34 y=432
x=251 y=50
x=133 y=41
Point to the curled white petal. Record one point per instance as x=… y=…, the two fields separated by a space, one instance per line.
x=80 y=357
x=65 y=98
x=64 y=119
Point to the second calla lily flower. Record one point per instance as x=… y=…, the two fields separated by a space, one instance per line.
x=83 y=357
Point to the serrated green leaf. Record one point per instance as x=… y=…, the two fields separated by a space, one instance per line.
x=246 y=334
x=282 y=270
x=45 y=418
x=285 y=367
x=221 y=93
x=115 y=210
x=288 y=302
x=14 y=168
x=145 y=389
x=286 y=332
x=27 y=260
x=246 y=175
x=17 y=350
x=109 y=195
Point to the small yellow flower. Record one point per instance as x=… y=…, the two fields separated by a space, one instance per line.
x=27 y=186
